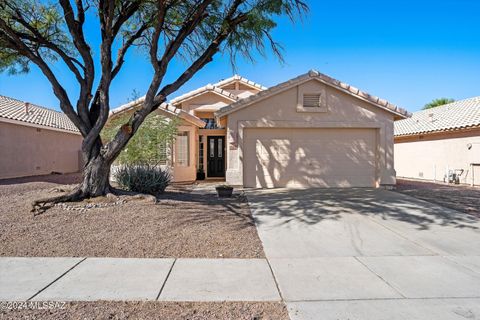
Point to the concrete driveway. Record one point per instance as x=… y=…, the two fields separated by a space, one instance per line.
x=369 y=254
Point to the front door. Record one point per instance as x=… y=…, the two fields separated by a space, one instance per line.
x=216 y=156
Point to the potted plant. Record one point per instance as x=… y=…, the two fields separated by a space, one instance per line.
x=224 y=191
x=200 y=174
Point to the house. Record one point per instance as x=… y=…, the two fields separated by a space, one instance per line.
x=436 y=143
x=35 y=140
x=310 y=131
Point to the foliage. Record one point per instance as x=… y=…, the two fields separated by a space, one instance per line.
x=438 y=102
x=92 y=40
x=143 y=178
x=151 y=142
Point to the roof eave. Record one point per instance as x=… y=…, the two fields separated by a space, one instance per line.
x=36 y=125
x=445 y=130
x=169 y=110
x=241 y=80
x=191 y=95
x=313 y=75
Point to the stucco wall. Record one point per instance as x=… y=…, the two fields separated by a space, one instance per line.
x=29 y=151
x=280 y=110
x=430 y=157
x=189 y=172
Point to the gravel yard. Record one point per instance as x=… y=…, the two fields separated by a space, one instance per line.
x=158 y=310
x=180 y=225
x=461 y=198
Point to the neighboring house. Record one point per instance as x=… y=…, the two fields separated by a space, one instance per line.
x=36 y=140
x=311 y=131
x=437 y=142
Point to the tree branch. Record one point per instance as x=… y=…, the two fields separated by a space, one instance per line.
x=16 y=43
x=76 y=31
x=114 y=147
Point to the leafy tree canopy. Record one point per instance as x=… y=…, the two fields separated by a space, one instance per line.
x=438 y=102
x=152 y=142
x=46 y=32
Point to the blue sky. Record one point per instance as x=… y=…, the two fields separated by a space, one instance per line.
x=408 y=52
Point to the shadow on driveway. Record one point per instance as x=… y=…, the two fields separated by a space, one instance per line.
x=315 y=205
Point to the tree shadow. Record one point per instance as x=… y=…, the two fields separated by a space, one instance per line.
x=204 y=208
x=315 y=205
x=64 y=178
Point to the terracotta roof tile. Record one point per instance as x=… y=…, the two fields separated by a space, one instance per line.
x=216 y=88
x=241 y=79
x=208 y=87
x=453 y=116
x=14 y=109
x=164 y=108
x=313 y=74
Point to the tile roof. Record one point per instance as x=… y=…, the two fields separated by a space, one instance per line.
x=14 y=109
x=216 y=88
x=164 y=108
x=457 y=115
x=242 y=80
x=313 y=74
x=207 y=88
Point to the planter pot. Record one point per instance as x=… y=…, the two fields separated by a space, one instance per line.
x=200 y=175
x=224 y=192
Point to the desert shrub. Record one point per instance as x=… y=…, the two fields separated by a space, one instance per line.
x=144 y=178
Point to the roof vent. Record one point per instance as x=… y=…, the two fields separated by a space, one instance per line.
x=27 y=108
x=430 y=117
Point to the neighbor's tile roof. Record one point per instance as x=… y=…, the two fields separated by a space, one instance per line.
x=313 y=74
x=453 y=116
x=14 y=109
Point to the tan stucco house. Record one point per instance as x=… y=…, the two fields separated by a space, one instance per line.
x=310 y=131
x=436 y=143
x=35 y=140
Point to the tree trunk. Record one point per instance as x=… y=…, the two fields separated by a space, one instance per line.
x=96 y=182
x=96 y=178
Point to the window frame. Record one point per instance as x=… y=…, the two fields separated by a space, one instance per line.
x=180 y=153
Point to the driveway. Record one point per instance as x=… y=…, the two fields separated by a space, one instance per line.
x=369 y=254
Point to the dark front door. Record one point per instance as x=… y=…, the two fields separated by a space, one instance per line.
x=216 y=156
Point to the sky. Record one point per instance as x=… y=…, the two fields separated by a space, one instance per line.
x=407 y=52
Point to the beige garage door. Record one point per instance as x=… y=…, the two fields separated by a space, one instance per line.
x=309 y=157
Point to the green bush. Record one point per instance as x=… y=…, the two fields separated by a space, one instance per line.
x=143 y=178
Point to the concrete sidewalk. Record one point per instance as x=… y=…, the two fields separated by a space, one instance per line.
x=89 y=279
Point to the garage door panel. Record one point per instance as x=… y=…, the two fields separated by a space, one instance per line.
x=309 y=157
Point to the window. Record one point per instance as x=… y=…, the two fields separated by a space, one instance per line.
x=210 y=123
x=220 y=148
x=212 y=148
x=200 y=152
x=162 y=153
x=182 y=149
x=311 y=100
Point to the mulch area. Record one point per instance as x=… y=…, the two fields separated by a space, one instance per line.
x=458 y=197
x=180 y=224
x=157 y=310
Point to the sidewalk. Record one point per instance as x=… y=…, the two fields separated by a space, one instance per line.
x=89 y=279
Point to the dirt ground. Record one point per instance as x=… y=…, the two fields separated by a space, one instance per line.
x=158 y=310
x=180 y=225
x=458 y=197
